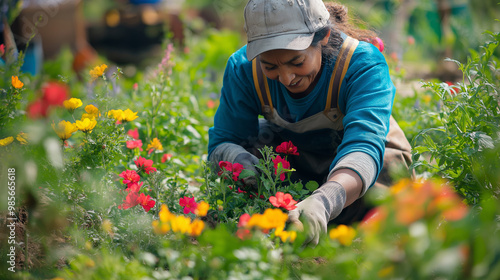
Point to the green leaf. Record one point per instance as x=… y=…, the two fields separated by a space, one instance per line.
x=312 y=185
x=245 y=173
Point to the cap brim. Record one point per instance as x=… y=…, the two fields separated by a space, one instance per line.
x=286 y=42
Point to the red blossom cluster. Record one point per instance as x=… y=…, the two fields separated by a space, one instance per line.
x=131 y=179
x=234 y=168
x=53 y=95
x=284 y=164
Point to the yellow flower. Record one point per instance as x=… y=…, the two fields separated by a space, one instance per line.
x=165 y=214
x=202 y=209
x=16 y=83
x=285 y=235
x=72 y=103
x=343 y=234
x=162 y=228
x=92 y=110
x=129 y=116
x=272 y=218
x=154 y=144
x=196 y=227
x=64 y=129
x=21 y=137
x=86 y=125
x=180 y=224
x=6 y=141
x=116 y=114
x=98 y=71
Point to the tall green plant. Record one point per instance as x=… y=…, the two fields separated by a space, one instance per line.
x=469 y=130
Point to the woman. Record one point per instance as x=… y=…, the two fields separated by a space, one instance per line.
x=317 y=86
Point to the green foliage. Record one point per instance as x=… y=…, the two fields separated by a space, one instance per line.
x=467 y=130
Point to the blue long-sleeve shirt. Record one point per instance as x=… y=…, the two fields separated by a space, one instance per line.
x=366 y=98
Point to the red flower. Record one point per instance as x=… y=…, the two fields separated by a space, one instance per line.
x=2 y=49
x=134 y=144
x=283 y=200
x=130 y=201
x=54 y=93
x=453 y=88
x=134 y=186
x=244 y=220
x=130 y=176
x=165 y=157
x=134 y=133
x=287 y=148
x=37 y=109
x=235 y=169
x=285 y=165
x=146 y=202
x=189 y=204
x=145 y=165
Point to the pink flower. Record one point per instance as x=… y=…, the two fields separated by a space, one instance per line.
x=287 y=148
x=134 y=144
x=130 y=176
x=235 y=169
x=2 y=49
x=210 y=104
x=136 y=86
x=165 y=157
x=283 y=200
x=189 y=204
x=134 y=133
x=146 y=202
x=244 y=220
x=377 y=42
x=134 y=187
x=285 y=165
x=130 y=201
x=145 y=165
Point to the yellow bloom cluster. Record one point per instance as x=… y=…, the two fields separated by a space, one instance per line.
x=86 y=125
x=271 y=219
x=6 y=141
x=92 y=112
x=285 y=235
x=72 y=103
x=123 y=116
x=344 y=234
x=64 y=129
x=181 y=224
x=98 y=71
x=155 y=144
x=21 y=137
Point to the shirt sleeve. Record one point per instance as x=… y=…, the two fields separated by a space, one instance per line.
x=236 y=119
x=366 y=99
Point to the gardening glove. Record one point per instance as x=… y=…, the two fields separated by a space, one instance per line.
x=322 y=206
x=248 y=161
x=237 y=154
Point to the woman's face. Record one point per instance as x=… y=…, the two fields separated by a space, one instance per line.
x=296 y=70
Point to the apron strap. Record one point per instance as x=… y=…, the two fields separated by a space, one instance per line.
x=262 y=87
x=341 y=65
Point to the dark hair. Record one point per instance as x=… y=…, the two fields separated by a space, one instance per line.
x=339 y=22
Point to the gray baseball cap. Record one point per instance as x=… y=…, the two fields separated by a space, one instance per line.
x=282 y=24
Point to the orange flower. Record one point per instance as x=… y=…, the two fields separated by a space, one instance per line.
x=283 y=200
x=202 y=209
x=16 y=83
